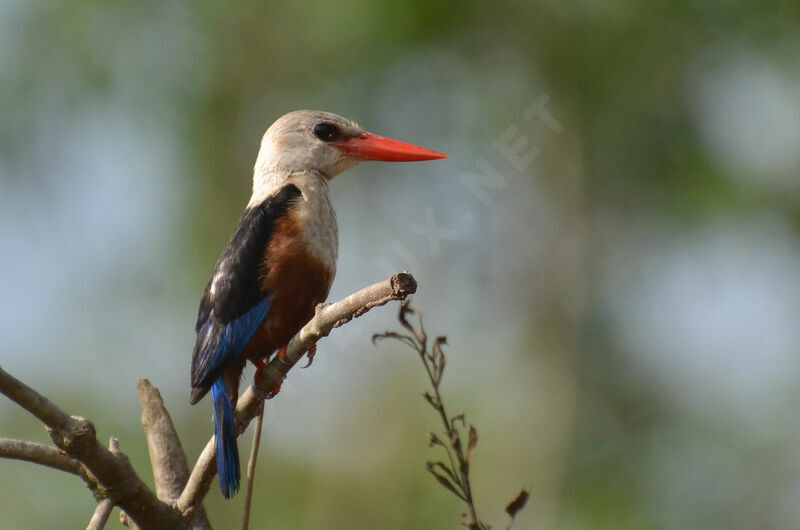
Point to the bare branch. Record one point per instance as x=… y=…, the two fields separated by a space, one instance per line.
x=77 y=438
x=200 y=478
x=40 y=454
x=170 y=470
x=100 y=515
x=109 y=473
x=24 y=396
x=327 y=317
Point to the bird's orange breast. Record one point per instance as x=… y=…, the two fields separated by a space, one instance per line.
x=297 y=281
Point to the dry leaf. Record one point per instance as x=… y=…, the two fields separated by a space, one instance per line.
x=517 y=504
x=473 y=441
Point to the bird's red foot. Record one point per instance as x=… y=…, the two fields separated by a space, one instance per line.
x=274 y=392
x=260 y=365
x=312 y=351
x=282 y=353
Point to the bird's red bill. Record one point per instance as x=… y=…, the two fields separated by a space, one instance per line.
x=373 y=147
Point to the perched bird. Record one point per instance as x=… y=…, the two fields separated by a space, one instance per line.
x=280 y=262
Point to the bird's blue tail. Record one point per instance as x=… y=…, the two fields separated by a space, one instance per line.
x=225 y=431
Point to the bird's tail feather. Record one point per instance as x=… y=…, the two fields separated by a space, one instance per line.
x=225 y=431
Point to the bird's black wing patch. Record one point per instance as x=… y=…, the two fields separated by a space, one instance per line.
x=233 y=304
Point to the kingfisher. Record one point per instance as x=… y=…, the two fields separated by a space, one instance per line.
x=280 y=261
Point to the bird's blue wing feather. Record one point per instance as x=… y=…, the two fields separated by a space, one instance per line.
x=218 y=343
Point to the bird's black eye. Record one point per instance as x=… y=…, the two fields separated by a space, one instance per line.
x=325 y=132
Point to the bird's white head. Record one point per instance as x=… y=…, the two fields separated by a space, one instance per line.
x=327 y=144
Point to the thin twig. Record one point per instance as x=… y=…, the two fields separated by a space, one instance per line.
x=100 y=515
x=455 y=478
x=455 y=442
x=40 y=454
x=251 y=467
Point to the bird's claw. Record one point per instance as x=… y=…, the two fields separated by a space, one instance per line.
x=260 y=365
x=312 y=351
x=274 y=392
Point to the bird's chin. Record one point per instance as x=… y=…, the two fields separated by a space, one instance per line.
x=343 y=164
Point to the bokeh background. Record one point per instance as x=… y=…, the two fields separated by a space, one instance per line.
x=612 y=248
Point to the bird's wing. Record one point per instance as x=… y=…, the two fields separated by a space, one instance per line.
x=234 y=305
